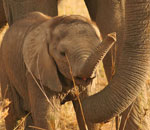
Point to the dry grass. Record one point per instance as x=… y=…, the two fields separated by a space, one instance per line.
x=3 y=112
x=67 y=118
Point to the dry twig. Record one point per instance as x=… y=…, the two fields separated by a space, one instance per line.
x=77 y=92
x=128 y=115
x=22 y=121
x=38 y=128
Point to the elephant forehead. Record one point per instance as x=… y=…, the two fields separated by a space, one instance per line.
x=77 y=42
x=77 y=28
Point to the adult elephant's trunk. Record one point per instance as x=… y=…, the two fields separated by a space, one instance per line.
x=132 y=70
x=98 y=55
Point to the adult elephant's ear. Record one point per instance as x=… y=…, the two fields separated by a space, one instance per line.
x=37 y=58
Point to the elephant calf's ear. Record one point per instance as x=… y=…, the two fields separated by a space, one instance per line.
x=37 y=59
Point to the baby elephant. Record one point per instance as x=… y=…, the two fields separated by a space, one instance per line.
x=39 y=56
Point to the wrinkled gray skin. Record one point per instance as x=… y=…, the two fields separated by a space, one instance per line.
x=111 y=17
x=132 y=59
x=38 y=54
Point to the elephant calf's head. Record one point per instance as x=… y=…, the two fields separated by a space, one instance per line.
x=48 y=48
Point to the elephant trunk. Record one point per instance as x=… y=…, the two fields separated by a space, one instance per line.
x=98 y=55
x=132 y=70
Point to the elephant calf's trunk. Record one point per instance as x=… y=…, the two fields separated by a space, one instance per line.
x=100 y=52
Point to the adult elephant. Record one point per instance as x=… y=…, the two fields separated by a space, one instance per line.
x=132 y=60
x=110 y=16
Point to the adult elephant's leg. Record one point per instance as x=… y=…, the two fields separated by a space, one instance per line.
x=107 y=15
x=2 y=15
x=79 y=116
x=17 y=9
x=45 y=113
x=109 y=20
x=92 y=8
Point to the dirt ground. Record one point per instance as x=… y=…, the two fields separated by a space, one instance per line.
x=67 y=118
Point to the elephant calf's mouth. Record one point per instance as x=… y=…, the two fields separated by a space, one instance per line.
x=83 y=81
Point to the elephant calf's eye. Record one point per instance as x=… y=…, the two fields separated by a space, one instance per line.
x=62 y=53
